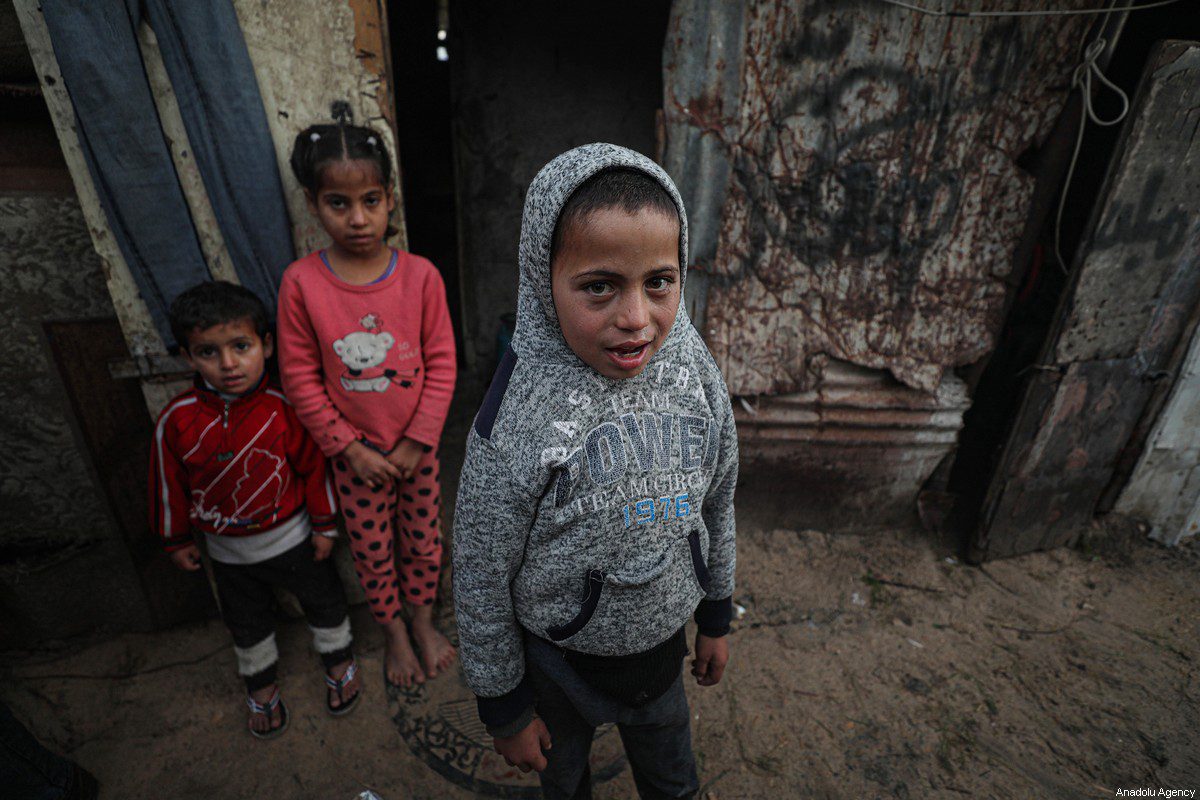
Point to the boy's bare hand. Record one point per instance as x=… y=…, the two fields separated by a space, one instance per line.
x=187 y=558
x=711 y=657
x=322 y=547
x=524 y=750
x=369 y=465
x=406 y=456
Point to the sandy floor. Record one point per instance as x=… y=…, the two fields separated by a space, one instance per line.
x=869 y=666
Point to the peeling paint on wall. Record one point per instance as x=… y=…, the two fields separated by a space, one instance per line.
x=308 y=55
x=873 y=200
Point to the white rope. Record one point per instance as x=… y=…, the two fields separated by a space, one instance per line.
x=1082 y=79
x=937 y=12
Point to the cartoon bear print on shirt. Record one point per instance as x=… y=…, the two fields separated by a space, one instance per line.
x=363 y=352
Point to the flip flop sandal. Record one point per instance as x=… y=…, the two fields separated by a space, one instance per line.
x=268 y=710
x=337 y=685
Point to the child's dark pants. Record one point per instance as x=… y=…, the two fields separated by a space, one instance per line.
x=657 y=737
x=247 y=599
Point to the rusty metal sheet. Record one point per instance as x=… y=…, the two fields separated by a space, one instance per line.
x=862 y=442
x=1126 y=296
x=702 y=61
x=873 y=199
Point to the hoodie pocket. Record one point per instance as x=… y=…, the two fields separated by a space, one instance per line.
x=624 y=613
x=591 y=598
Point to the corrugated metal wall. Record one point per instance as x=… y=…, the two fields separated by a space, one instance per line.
x=851 y=170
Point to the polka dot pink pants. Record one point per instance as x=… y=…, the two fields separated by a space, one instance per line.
x=405 y=511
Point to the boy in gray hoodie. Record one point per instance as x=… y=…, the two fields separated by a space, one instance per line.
x=595 y=509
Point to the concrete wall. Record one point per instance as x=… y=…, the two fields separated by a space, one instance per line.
x=60 y=548
x=531 y=80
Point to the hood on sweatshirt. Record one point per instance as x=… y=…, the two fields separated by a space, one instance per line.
x=538 y=336
x=592 y=512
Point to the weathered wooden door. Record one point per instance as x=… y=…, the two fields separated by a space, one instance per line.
x=1130 y=302
x=118 y=439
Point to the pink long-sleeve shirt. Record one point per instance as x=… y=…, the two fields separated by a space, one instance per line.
x=373 y=362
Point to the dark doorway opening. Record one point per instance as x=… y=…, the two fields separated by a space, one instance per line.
x=421 y=71
x=522 y=83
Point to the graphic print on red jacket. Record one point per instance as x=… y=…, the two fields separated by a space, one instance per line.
x=234 y=467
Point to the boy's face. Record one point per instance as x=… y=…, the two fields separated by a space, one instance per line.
x=353 y=206
x=230 y=356
x=615 y=281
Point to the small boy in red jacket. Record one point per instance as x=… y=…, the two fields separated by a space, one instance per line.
x=231 y=460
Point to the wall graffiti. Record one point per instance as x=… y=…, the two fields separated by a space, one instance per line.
x=873 y=198
x=1144 y=221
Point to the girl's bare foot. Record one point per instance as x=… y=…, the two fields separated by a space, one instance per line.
x=401 y=666
x=266 y=722
x=437 y=654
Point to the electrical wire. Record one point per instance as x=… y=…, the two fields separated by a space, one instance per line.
x=937 y=12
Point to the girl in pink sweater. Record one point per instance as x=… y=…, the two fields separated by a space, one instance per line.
x=367 y=360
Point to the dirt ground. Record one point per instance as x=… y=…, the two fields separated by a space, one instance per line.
x=864 y=666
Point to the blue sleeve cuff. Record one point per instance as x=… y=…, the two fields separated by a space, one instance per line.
x=500 y=713
x=713 y=616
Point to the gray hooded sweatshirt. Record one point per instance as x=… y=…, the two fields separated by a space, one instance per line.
x=594 y=513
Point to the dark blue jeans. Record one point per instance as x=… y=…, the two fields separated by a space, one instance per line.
x=205 y=55
x=657 y=737
x=30 y=771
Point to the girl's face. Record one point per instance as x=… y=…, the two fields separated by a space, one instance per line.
x=353 y=206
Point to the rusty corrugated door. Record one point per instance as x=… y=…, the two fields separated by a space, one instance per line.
x=854 y=201
x=867 y=160
x=1129 y=302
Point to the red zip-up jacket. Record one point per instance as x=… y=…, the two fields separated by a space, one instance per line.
x=234 y=468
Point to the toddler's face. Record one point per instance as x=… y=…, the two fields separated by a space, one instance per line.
x=615 y=281
x=230 y=356
x=353 y=206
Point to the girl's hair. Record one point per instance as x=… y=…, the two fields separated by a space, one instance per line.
x=319 y=145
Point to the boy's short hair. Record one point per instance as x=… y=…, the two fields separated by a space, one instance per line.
x=619 y=187
x=215 y=303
